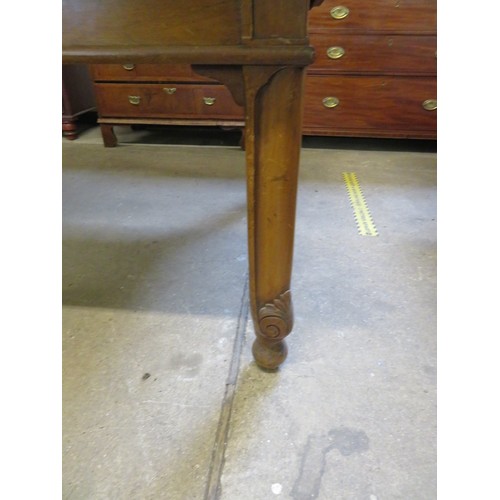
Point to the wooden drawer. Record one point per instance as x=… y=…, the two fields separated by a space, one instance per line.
x=393 y=54
x=216 y=101
x=377 y=15
x=370 y=103
x=145 y=73
x=122 y=100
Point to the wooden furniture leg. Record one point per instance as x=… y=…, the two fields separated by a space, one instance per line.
x=108 y=136
x=273 y=98
x=69 y=130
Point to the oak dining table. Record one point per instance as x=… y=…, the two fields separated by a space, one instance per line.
x=260 y=50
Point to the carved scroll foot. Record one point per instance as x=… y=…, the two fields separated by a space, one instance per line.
x=274 y=323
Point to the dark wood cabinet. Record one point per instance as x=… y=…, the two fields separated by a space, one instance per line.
x=77 y=97
x=374 y=76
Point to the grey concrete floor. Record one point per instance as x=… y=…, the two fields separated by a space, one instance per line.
x=157 y=367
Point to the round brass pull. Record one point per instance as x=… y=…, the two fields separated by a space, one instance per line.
x=330 y=102
x=128 y=67
x=430 y=104
x=134 y=99
x=335 y=52
x=209 y=101
x=339 y=12
x=170 y=90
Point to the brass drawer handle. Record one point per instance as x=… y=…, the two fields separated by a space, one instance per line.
x=170 y=90
x=430 y=104
x=128 y=67
x=335 y=52
x=339 y=12
x=134 y=99
x=209 y=101
x=330 y=102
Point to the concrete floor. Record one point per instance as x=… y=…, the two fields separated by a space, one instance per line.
x=157 y=366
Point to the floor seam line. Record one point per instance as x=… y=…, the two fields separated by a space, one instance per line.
x=212 y=491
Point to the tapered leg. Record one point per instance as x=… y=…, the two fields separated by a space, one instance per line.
x=272 y=96
x=273 y=140
x=108 y=136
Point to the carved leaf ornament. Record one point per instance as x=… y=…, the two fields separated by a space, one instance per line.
x=276 y=319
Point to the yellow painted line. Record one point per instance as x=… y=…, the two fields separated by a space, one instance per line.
x=366 y=227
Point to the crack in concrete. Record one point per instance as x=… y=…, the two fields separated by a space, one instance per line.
x=212 y=491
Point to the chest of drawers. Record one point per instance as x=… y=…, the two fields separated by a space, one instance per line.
x=375 y=69
x=374 y=76
x=159 y=94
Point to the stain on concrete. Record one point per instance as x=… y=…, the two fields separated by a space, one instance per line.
x=431 y=372
x=347 y=441
x=185 y=362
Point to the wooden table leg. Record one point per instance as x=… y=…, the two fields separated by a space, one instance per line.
x=273 y=140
